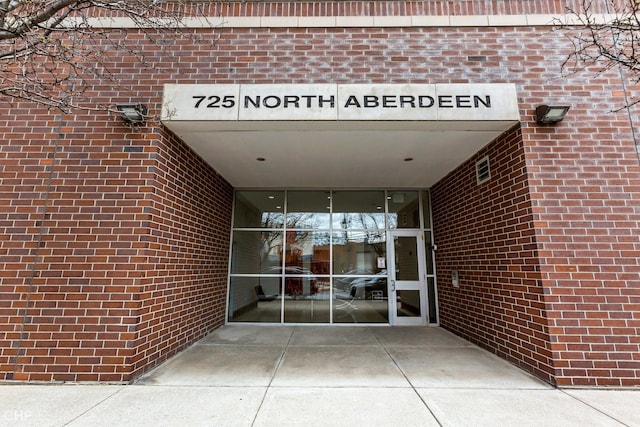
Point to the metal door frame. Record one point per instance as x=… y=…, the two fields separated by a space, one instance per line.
x=395 y=285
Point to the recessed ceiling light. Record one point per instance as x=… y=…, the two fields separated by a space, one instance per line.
x=379 y=207
x=272 y=197
x=261 y=159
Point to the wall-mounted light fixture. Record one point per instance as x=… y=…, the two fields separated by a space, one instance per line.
x=132 y=113
x=551 y=113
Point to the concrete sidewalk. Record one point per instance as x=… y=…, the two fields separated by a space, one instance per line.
x=323 y=376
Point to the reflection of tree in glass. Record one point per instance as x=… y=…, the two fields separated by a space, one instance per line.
x=302 y=220
x=375 y=219
x=373 y=239
x=270 y=240
x=377 y=242
x=321 y=239
x=361 y=221
x=272 y=220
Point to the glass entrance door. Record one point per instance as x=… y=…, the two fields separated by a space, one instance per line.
x=407 y=290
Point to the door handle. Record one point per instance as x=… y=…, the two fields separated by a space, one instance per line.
x=393 y=286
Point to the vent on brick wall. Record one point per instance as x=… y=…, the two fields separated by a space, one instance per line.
x=483 y=173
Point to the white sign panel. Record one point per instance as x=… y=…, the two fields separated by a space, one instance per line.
x=345 y=102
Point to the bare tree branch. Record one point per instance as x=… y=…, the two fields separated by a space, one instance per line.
x=53 y=51
x=605 y=42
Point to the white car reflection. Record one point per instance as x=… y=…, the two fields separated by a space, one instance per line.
x=370 y=287
x=344 y=283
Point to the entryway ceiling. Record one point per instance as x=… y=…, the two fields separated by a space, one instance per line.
x=336 y=154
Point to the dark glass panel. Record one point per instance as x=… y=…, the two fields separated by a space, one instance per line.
x=255 y=299
x=362 y=210
x=308 y=209
x=406 y=252
x=255 y=252
x=426 y=209
x=259 y=209
x=431 y=298
x=404 y=209
x=428 y=250
x=408 y=303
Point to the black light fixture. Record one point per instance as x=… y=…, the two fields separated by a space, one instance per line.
x=547 y=114
x=132 y=113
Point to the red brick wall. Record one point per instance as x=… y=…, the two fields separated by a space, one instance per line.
x=485 y=231
x=72 y=247
x=183 y=294
x=584 y=180
x=116 y=246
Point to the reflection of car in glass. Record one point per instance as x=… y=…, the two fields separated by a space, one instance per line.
x=295 y=286
x=298 y=270
x=290 y=270
x=344 y=283
x=370 y=287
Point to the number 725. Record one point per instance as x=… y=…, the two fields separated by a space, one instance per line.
x=215 y=101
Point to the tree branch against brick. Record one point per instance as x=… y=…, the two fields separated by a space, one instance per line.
x=606 y=41
x=53 y=51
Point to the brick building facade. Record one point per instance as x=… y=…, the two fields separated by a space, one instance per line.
x=115 y=240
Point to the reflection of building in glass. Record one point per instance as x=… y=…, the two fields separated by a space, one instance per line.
x=358 y=252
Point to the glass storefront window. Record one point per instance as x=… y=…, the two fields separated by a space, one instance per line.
x=362 y=300
x=362 y=210
x=259 y=209
x=256 y=252
x=404 y=209
x=431 y=298
x=428 y=250
x=426 y=209
x=307 y=252
x=255 y=299
x=306 y=300
x=359 y=252
x=308 y=209
x=321 y=256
